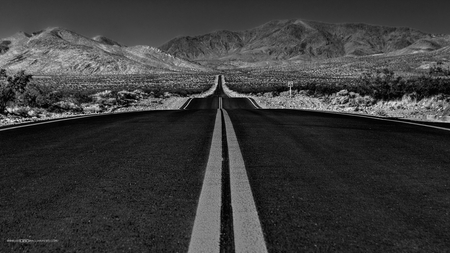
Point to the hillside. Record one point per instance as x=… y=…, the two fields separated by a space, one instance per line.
x=299 y=41
x=282 y=45
x=60 y=51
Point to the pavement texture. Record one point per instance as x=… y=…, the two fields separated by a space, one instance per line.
x=131 y=182
x=326 y=182
x=125 y=182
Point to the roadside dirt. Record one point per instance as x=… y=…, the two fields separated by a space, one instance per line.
x=171 y=103
x=436 y=108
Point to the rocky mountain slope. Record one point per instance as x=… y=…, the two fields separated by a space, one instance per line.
x=276 y=45
x=301 y=40
x=60 y=51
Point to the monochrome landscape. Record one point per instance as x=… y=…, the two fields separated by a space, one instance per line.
x=322 y=60
x=291 y=136
x=281 y=45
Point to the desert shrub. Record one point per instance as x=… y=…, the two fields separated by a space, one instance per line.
x=126 y=98
x=105 y=98
x=6 y=96
x=21 y=111
x=82 y=96
x=4 y=46
x=384 y=86
x=381 y=112
x=381 y=84
x=92 y=108
x=110 y=98
x=182 y=93
x=44 y=96
x=19 y=81
x=12 y=88
x=65 y=106
x=39 y=96
x=439 y=70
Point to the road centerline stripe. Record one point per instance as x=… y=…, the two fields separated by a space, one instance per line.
x=226 y=217
x=248 y=235
x=205 y=235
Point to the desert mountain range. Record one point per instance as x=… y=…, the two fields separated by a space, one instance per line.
x=60 y=51
x=306 y=40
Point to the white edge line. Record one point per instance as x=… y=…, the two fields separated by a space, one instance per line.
x=253 y=103
x=248 y=235
x=205 y=235
x=184 y=107
x=375 y=118
x=49 y=121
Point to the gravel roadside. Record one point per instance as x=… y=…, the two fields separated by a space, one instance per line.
x=435 y=109
x=167 y=103
x=171 y=103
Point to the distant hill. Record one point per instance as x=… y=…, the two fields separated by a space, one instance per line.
x=106 y=41
x=60 y=51
x=277 y=45
x=301 y=40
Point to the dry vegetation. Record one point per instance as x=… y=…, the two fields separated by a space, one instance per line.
x=28 y=98
x=408 y=65
x=382 y=93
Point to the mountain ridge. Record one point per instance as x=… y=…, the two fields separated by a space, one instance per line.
x=297 y=39
x=61 y=51
x=273 y=45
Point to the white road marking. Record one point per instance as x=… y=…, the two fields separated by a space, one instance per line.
x=253 y=103
x=48 y=122
x=248 y=235
x=378 y=118
x=206 y=232
x=184 y=107
x=73 y=118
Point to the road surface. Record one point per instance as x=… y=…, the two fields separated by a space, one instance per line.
x=132 y=182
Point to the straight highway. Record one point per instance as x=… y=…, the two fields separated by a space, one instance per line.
x=133 y=182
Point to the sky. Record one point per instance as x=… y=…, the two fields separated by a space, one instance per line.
x=154 y=22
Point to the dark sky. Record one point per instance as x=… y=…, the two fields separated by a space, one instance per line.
x=153 y=22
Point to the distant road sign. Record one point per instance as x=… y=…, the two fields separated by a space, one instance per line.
x=290 y=85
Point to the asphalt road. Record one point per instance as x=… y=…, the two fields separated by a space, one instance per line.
x=125 y=182
x=326 y=182
x=131 y=182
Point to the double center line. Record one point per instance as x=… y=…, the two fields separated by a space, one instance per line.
x=209 y=221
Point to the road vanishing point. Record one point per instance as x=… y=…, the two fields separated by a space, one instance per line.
x=223 y=175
